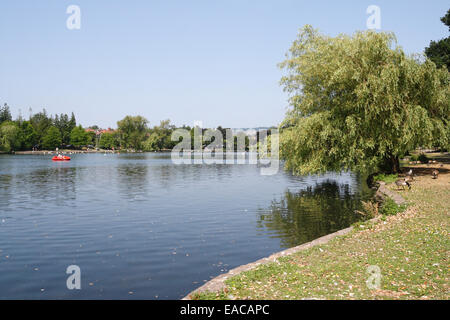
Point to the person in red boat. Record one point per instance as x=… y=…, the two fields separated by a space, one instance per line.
x=60 y=157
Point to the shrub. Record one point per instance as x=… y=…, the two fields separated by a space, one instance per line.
x=390 y=208
x=414 y=157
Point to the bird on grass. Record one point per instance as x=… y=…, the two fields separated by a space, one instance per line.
x=409 y=179
x=403 y=183
x=410 y=174
x=435 y=173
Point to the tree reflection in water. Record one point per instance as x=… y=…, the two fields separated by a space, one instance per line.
x=316 y=211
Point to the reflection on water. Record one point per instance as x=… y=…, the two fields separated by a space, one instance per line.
x=138 y=223
x=132 y=180
x=300 y=217
x=28 y=189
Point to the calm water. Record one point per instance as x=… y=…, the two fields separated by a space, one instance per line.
x=139 y=226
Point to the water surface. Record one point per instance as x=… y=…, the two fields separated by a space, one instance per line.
x=141 y=227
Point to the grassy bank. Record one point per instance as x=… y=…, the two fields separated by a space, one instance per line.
x=410 y=248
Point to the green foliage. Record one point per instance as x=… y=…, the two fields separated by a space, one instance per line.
x=439 y=51
x=390 y=208
x=414 y=157
x=153 y=142
x=387 y=178
x=52 y=139
x=41 y=122
x=28 y=136
x=132 y=131
x=9 y=136
x=108 y=141
x=65 y=126
x=5 y=114
x=79 y=137
x=359 y=103
x=446 y=19
x=160 y=137
x=72 y=122
x=91 y=138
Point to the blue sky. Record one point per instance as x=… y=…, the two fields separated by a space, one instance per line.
x=186 y=60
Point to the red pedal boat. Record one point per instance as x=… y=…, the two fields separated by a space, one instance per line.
x=63 y=158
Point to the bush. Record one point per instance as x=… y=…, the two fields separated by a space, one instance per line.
x=9 y=136
x=414 y=157
x=390 y=208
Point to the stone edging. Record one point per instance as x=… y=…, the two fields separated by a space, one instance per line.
x=218 y=283
x=382 y=190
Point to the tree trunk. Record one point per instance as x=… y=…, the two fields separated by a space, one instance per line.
x=395 y=164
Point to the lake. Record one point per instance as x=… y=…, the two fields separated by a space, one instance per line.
x=141 y=227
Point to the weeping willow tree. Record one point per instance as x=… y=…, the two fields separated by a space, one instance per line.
x=359 y=103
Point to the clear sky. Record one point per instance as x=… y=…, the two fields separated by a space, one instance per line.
x=186 y=60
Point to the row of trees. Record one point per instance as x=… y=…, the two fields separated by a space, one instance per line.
x=40 y=131
x=45 y=132
x=134 y=133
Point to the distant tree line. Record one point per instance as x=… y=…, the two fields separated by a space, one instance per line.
x=46 y=132
x=40 y=131
x=133 y=133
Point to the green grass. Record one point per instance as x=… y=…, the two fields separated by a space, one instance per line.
x=387 y=178
x=410 y=248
